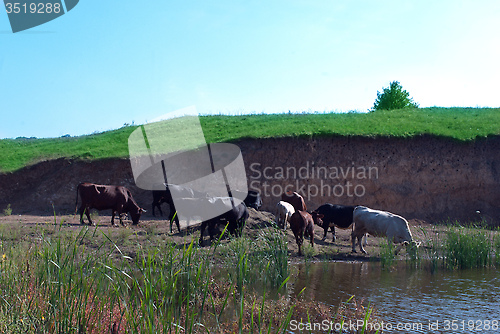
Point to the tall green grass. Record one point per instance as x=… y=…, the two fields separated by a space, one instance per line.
x=57 y=281
x=458 y=123
x=57 y=286
x=262 y=261
x=456 y=247
x=468 y=249
x=387 y=254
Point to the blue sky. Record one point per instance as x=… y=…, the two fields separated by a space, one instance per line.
x=106 y=63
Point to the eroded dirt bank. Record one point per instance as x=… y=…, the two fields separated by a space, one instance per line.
x=427 y=178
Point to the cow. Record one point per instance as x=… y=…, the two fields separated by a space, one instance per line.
x=166 y=196
x=159 y=197
x=103 y=197
x=294 y=199
x=335 y=215
x=379 y=224
x=284 y=212
x=302 y=223
x=235 y=217
x=251 y=198
x=221 y=210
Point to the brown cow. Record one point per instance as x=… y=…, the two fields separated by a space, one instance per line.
x=302 y=223
x=103 y=197
x=294 y=199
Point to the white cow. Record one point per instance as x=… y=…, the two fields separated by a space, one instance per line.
x=379 y=224
x=284 y=212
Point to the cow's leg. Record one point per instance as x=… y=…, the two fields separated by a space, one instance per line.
x=325 y=229
x=353 y=241
x=332 y=228
x=283 y=220
x=300 y=239
x=299 y=243
x=173 y=219
x=82 y=209
x=87 y=213
x=176 y=221
x=277 y=218
x=311 y=234
x=360 y=239
x=211 y=230
x=202 y=229
x=113 y=218
x=153 y=208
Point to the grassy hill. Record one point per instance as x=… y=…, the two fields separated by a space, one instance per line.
x=458 y=123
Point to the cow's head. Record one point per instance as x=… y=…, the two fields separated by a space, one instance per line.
x=135 y=214
x=412 y=245
x=317 y=218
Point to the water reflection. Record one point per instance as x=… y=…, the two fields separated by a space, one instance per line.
x=406 y=295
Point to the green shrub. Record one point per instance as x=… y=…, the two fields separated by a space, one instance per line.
x=393 y=97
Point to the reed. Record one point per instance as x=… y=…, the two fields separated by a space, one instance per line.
x=56 y=284
x=467 y=249
x=274 y=248
x=83 y=282
x=387 y=254
x=496 y=249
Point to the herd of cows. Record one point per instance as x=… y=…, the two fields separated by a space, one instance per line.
x=291 y=210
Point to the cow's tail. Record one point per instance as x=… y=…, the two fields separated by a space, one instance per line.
x=76 y=202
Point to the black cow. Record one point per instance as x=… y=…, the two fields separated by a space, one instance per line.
x=235 y=215
x=335 y=215
x=252 y=198
x=165 y=196
x=236 y=218
x=103 y=197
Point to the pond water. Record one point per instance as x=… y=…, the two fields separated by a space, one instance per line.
x=408 y=300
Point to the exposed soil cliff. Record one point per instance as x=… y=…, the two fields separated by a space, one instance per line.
x=427 y=178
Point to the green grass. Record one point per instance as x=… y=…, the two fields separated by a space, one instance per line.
x=17 y=153
x=466 y=249
x=454 y=247
x=69 y=281
x=458 y=123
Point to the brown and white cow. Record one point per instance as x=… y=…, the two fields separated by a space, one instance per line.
x=283 y=213
x=379 y=224
x=302 y=223
x=294 y=199
x=104 y=197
